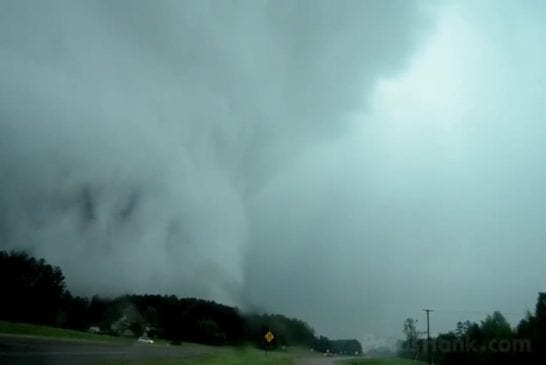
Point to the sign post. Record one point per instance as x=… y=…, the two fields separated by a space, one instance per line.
x=269 y=337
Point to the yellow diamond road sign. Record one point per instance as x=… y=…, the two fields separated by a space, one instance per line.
x=269 y=337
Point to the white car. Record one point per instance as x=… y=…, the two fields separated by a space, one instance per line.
x=145 y=340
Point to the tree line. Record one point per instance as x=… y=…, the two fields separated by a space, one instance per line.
x=34 y=291
x=492 y=341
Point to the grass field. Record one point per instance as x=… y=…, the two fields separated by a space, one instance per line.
x=45 y=331
x=225 y=356
x=220 y=356
x=386 y=361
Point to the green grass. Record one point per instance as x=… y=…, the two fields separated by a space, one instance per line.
x=385 y=361
x=224 y=356
x=26 y=329
x=219 y=355
x=246 y=356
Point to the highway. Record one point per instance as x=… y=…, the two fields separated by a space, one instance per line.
x=321 y=360
x=41 y=351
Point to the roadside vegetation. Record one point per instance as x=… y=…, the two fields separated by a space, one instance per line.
x=35 y=299
x=382 y=361
x=14 y=328
x=492 y=341
x=225 y=356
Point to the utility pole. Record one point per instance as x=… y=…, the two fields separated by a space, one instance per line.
x=429 y=349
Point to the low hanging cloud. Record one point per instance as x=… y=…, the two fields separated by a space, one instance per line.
x=431 y=198
x=346 y=162
x=135 y=134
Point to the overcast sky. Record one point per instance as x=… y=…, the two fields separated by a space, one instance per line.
x=345 y=162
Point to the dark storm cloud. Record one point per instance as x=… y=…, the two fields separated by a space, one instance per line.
x=140 y=139
x=432 y=198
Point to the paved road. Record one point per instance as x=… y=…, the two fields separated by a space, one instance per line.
x=321 y=360
x=15 y=350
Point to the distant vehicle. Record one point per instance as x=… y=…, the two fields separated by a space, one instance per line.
x=328 y=354
x=145 y=340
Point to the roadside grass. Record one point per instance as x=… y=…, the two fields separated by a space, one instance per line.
x=224 y=356
x=246 y=356
x=13 y=328
x=220 y=355
x=382 y=361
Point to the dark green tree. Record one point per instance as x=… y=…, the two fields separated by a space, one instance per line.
x=32 y=290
